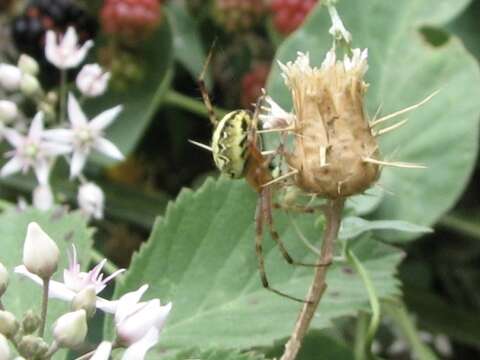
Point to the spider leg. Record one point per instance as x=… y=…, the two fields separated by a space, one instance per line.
x=259 y=218
x=267 y=211
x=204 y=91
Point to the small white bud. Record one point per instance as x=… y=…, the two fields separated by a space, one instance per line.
x=29 y=85
x=92 y=81
x=91 y=200
x=70 y=330
x=28 y=65
x=40 y=253
x=3 y=279
x=4 y=348
x=8 y=111
x=10 y=77
x=86 y=299
x=43 y=197
x=8 y=324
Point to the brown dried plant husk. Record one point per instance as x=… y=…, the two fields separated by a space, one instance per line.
x=330 y=117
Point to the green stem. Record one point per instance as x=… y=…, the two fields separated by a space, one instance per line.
x=398 y=312
x=360 y=335
x=63 y=95
x=46 y=285
x=458 y=224
x=197 y=107
x=372 y=298
x=97 y=257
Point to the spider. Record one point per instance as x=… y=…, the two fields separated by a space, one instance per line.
x=236 y=147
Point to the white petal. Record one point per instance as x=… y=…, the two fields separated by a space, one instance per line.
x=42 y=171
x=54 y=149
x=36 y=128
x=103 y=351
x=75 y=113
x=69 y=40
x=56 y=290
x=78 y=55
x=14 y=137
x=138 y=350
x=59 y=135
x=127 y=302
x=107 y=305
x=108 y=148
x=103 y=120
x=79 y=158
x=51 y=48
x=11 y=167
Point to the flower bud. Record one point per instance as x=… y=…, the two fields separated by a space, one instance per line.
x=86 y=299
x=8 y=111
x=29 y=85
x=31 y=346
x=10 y=77
x=28 y=65
x=4 y=348
x=3 y=279
x=92 y=81
x=70 y=330
x=8 y=324
x=40 y=253
x=43 y=197
x=31 y=322
x=91 y=200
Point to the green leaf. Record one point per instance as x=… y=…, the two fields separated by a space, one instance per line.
x=201 y=257
x=403 y=70
x=355 y=226
x=367 y=202
x=187 y=44
x=65 y=229
x=215 y=354
x=466 y=27
x=142 y=99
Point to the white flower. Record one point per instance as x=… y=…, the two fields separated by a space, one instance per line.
x=32 y=151
x=338 y=30
x=8 y=111
x=274 y=116
x=91 y=200
x=70 y=329
x=136 y=351
x=66 y=53
x=74 y=281
x=103 y=351
x=4 y=348
x=40 y=253
x=92 y=81
x=3 y=279
x=357 y=63
x=10 y=77
x=86 y=135
x=43 y=197
x=134 y=319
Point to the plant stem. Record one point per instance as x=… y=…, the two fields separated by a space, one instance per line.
x=333 y=216
x=46 y=285
x=63 y=95
x=1 y=306
x=97 y=257
x=197 y=107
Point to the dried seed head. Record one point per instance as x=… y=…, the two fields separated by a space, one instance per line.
x=332 y=134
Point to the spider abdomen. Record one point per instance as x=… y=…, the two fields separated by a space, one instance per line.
x=230 y=143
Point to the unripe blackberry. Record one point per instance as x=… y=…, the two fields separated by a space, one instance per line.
x=29 y=28
x=252 y=84
x=125 y=68
x=130 y=20
x=238 y=15
x=288 y=15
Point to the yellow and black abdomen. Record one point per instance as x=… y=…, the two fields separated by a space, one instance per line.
x=230 y=143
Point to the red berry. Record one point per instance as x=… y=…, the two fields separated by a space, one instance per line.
x=130 y=20
x=252 y=84
x=288 y=15
x=238 y=15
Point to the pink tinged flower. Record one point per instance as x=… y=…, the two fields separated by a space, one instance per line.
x=65 y=53
x=139 y=349
x=10 y=77
x=274 y=117
x=103 y=351
x=86 y=135
x=40 y=253
x=43 y=197
x=32 y=151
x=74 y=281
x=92 y=81
x=70 y=329
x=134 y=319
x=91 y=200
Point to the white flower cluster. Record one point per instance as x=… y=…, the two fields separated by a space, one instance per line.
x=37 y=144
x=138 y=323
